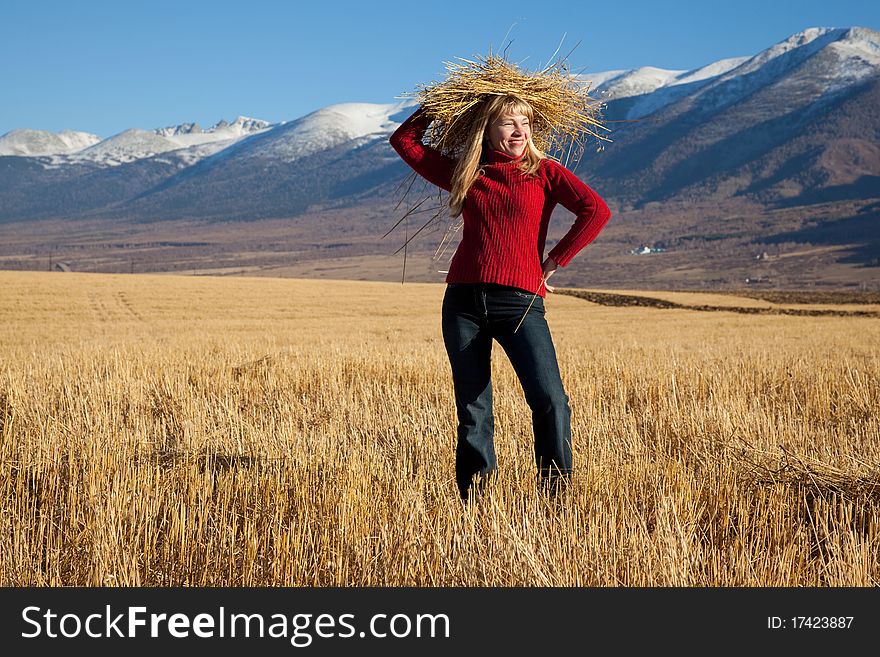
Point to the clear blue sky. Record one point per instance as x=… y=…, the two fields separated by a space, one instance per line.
x=105 y=66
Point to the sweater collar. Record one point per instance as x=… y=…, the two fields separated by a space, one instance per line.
x=497 y=157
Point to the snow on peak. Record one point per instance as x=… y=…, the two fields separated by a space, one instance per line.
x=653 y=87
x=250 y=124
x=191 y=134
x=128 y=146
x=331 y=126
x=861 y=44
x=852 y=54
x=638 y=82
x=611 y=85
x=30 y=143
x=189 y=142
x=712 y=70
x=182 y=129
x=241 y=126
x=868 y=38
x=808 y=42
x=808 y=65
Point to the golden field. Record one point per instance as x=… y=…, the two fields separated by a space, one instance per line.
x=163 y=430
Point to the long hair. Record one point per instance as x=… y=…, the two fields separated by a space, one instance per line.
x=467 y=169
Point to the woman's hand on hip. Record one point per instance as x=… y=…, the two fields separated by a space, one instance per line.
x=549 y=267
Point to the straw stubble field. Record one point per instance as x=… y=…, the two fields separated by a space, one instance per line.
x=173 y=430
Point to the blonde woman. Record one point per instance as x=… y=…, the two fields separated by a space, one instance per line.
x=505 y=190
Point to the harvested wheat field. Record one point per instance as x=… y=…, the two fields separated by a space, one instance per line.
x=162 y=430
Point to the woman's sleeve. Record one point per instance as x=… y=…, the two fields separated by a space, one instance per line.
x=428 y=162
x=592 y=213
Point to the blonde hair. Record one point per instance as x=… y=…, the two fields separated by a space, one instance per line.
x=467 y=169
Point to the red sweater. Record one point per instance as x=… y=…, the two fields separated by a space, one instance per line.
x=506 y=213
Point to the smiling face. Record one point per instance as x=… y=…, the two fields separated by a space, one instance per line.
x=509 y=133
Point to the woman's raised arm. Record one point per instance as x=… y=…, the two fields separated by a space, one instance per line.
x=428 y=162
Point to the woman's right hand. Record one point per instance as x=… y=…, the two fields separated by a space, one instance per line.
x=550 y=266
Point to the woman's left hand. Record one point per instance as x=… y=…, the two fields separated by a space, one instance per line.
x=549 y=267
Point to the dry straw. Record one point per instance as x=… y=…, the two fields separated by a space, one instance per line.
x=565 y=115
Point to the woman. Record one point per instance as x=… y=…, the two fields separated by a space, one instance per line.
x=505 y=188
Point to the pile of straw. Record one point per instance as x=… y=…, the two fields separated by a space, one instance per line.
x=565 y=115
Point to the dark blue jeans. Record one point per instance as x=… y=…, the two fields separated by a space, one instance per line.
x=473 y=316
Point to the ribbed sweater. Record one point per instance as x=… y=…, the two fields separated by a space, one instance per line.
x=506 y=213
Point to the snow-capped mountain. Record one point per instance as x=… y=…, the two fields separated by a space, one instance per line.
x=612 y=85
x=29 y=143
x=806 y=66
x=189 y=142
x=328 y=127
x=182 y=129
x=191 y=134
x=654 y=87
x=127 y=146
x=790 y=121
x=793 y=119
x=856 y=50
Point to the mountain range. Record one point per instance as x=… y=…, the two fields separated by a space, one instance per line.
x=766 y=150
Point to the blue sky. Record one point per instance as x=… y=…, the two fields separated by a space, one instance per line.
x=105 y=66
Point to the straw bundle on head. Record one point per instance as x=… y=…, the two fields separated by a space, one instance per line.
x=564 y=113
